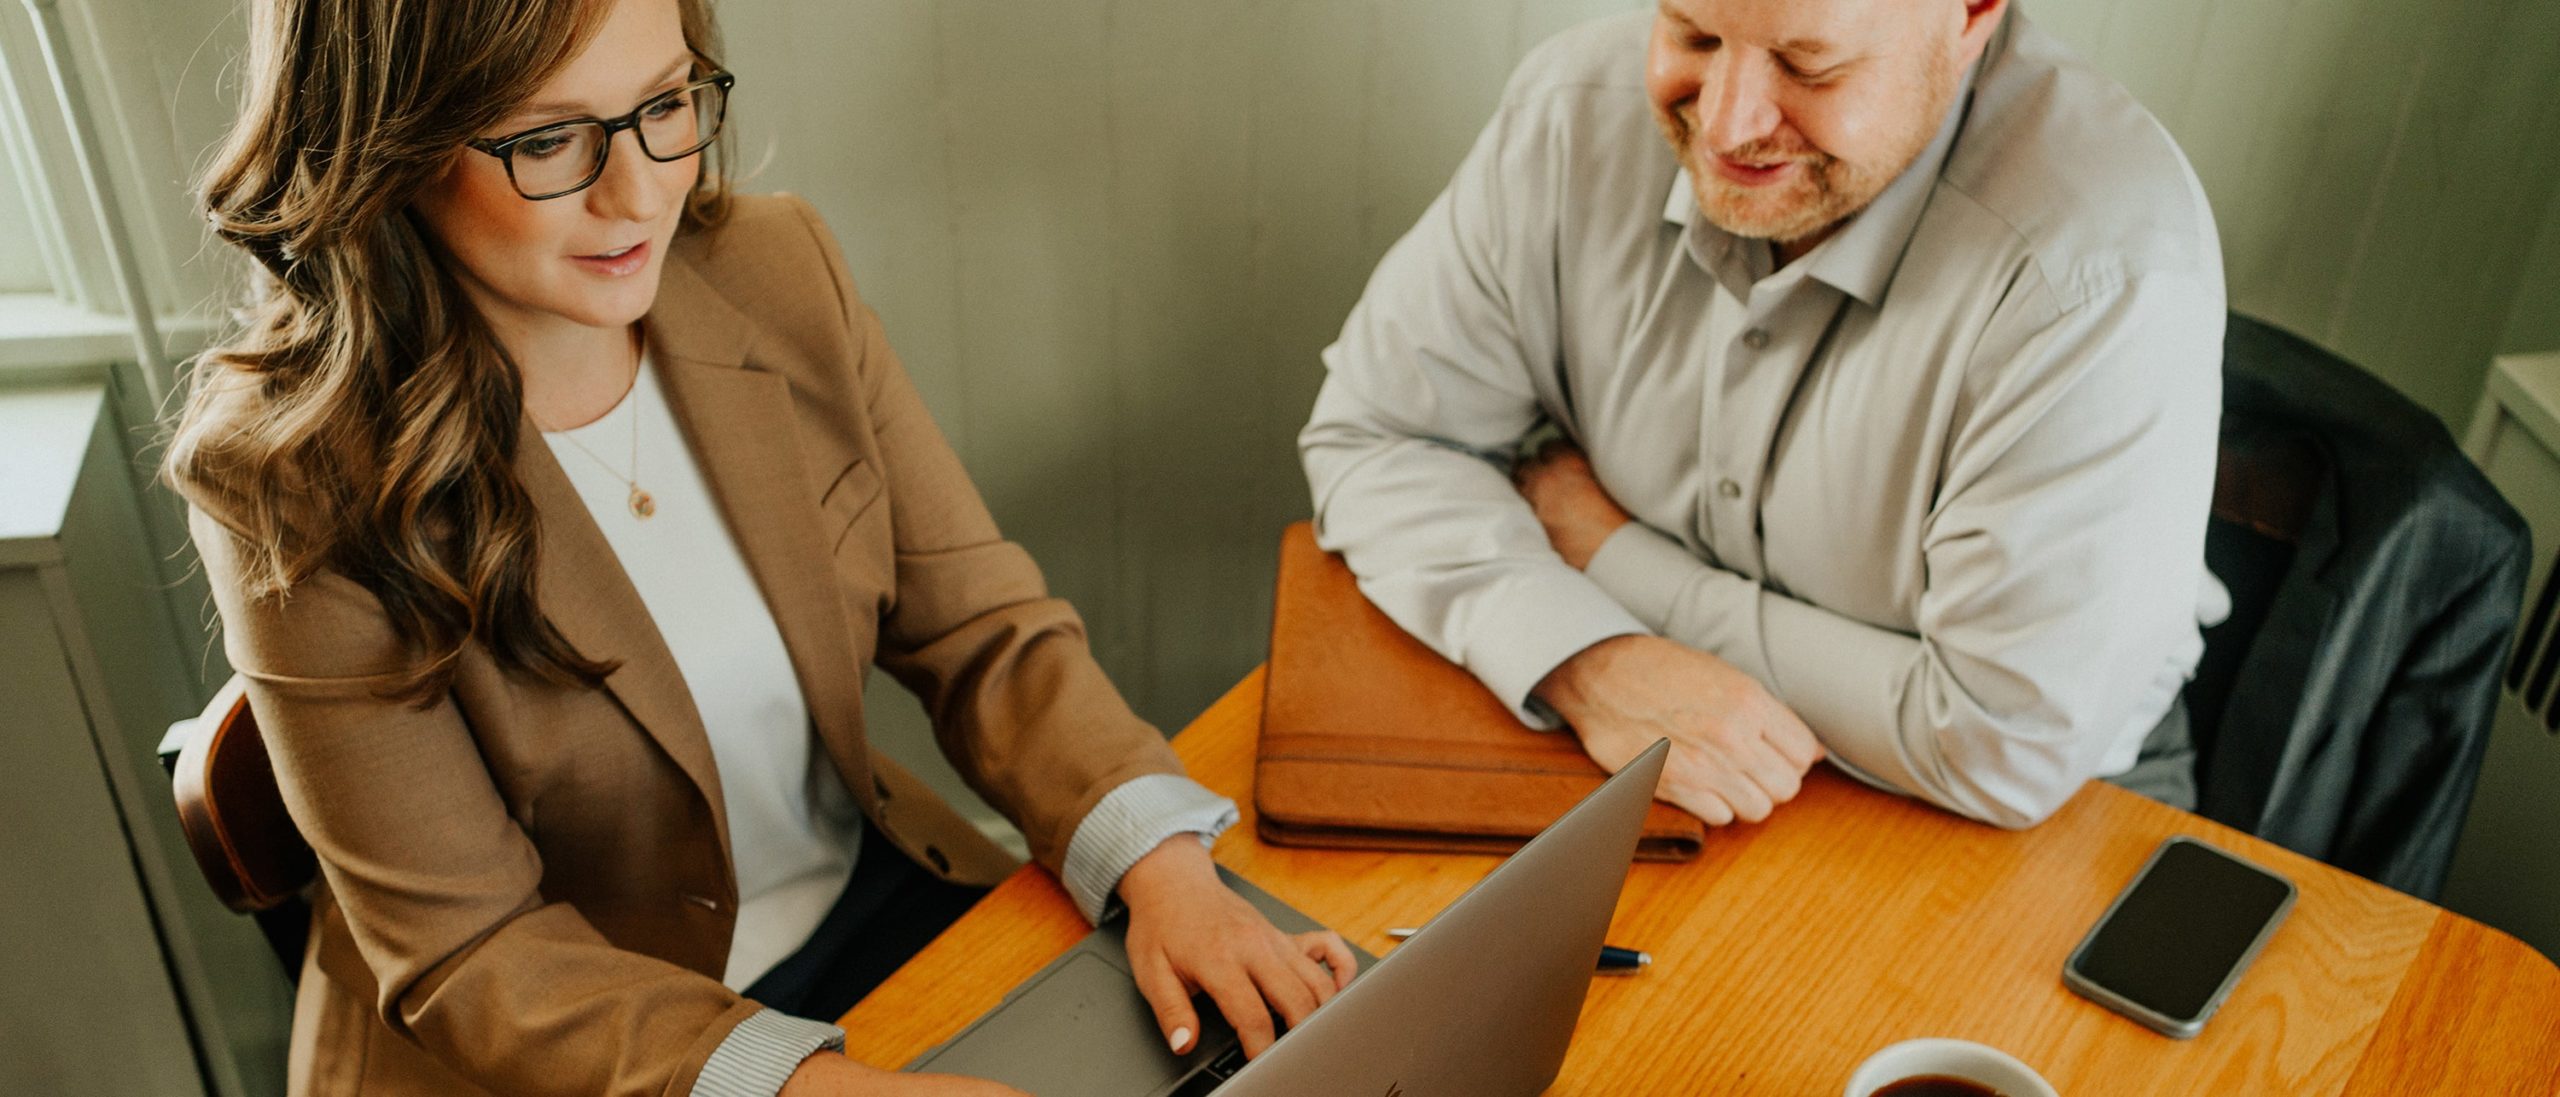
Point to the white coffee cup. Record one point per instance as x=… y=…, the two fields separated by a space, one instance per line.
x=1977 y=1063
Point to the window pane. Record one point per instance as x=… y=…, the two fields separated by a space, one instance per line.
x=22 y=267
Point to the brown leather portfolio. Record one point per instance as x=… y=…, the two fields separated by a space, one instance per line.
x=1370 y=740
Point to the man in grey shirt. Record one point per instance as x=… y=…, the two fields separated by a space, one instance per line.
x=1888 y=389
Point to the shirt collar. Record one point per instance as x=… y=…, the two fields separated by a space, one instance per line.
x=1860 y=259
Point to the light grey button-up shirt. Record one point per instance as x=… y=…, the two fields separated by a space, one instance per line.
x=1940 y=485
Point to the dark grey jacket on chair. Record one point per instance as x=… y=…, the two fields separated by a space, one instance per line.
x=2376 y=578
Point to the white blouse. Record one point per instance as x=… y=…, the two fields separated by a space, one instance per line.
x=793 y=827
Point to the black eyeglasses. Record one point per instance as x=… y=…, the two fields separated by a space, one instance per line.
x=567 y=157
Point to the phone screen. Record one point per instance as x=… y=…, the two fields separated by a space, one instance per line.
x=2180 y=931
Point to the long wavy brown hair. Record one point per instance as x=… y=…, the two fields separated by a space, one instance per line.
x=364 y=419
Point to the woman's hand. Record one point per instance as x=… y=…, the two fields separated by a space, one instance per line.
x=828 y=1074
x=1189 y=932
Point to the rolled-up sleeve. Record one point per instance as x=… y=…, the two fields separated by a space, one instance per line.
x=2064 y=559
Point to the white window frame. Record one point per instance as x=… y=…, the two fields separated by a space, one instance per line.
x=79 y=329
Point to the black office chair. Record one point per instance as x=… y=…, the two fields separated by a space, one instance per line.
x=235 y=824
x=2375 y=576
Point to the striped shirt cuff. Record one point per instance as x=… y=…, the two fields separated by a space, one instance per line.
x=760 y=1054
x=1132 y=820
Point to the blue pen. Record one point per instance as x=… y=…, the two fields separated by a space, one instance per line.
x=1612 y=958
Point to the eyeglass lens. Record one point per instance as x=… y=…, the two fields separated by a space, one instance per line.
x=572 y=156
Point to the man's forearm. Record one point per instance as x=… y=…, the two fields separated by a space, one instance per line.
x=1886 y=710
x=1444 y=545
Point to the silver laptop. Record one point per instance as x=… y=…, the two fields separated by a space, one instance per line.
x=1480 y=1003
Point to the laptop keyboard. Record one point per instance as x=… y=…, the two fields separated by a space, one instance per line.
x=1215 y=1074
x=1226 y=1066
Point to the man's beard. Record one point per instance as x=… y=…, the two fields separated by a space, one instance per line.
x=1824 y=190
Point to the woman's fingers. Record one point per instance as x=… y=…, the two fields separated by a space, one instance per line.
x=1326 y=947
x=1284 y=977
x=1234 y=990
x=1167 y=995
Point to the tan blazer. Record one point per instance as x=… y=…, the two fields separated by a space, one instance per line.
x=526 y=889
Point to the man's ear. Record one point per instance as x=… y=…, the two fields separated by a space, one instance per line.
x=1981 y=17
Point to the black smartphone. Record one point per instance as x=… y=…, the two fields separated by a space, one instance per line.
x=2173 y=945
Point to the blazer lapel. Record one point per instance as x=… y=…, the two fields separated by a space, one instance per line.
x=740 y=425
x=590 y=599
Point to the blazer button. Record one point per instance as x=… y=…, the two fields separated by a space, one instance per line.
x=879 y=789
x=705 y=902
x=941 y=863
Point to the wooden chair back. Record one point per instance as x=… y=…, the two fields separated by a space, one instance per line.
x=231 y=812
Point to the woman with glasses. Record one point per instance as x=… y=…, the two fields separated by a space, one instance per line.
x=555 y=502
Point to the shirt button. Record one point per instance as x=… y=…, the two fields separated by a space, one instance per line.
x=1728 y=489
x=1756 y=338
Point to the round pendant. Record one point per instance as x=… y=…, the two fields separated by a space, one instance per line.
x=642 y=506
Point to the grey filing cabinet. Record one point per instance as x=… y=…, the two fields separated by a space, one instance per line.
x=119 y=973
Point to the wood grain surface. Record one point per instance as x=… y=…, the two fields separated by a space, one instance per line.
x=1792 y=949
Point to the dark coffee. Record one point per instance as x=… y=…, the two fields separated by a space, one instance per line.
x=1936 y=1085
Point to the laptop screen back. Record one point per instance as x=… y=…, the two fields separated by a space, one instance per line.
x=1482 y=1002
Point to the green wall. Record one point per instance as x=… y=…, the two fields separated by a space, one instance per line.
x=2534 y=325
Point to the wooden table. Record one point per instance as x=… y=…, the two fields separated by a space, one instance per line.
x=1792 y=949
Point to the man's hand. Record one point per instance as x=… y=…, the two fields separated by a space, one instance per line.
x=1189 y=932
x=828 y=1074
x=1569 y=501
x=1736 y=751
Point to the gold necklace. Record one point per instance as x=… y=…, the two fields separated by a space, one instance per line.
x=642 y=504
